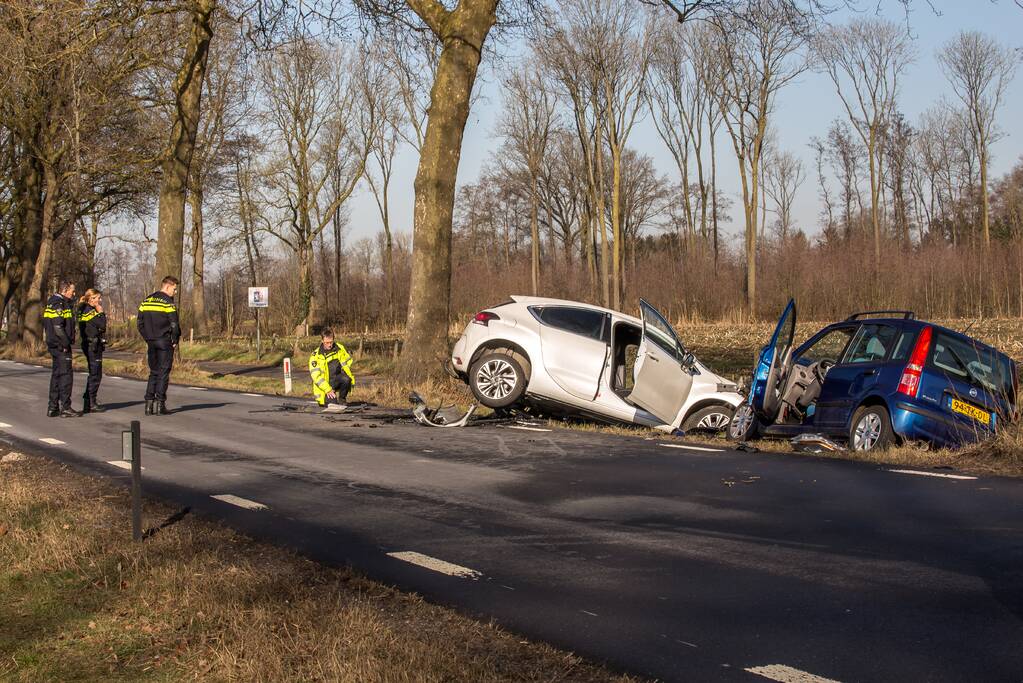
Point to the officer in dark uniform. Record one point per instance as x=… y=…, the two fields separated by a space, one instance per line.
x=92 y=325
x=158 y=324
x=59 y=330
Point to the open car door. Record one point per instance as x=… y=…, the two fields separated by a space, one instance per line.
x=663 y=377
x=773 y=366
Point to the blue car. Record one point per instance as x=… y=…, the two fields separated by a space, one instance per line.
x=876 y=379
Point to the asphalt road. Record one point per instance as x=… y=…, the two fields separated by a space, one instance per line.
x=674 y=563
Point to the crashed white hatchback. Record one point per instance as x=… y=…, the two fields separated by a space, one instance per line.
x=572 y=358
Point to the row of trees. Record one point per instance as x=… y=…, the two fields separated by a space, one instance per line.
x=260 y=119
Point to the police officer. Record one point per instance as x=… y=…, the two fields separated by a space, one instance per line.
x=330 y=367
x=59 y=329
x=92 y=325
x=158 y=324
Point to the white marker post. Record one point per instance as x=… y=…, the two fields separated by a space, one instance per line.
x=259 y=297
x=287 y=376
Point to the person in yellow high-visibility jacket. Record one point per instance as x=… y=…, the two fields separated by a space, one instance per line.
x=330 y=367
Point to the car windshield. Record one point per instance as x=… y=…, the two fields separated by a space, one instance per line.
x=982 y=367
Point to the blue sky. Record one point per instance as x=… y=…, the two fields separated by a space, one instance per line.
x=804 y=109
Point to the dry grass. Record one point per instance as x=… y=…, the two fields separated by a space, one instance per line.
x=200 y=602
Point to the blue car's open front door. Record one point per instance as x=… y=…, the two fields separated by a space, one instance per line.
x=772 y=366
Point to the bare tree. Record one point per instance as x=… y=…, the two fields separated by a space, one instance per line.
x=980 y=70
x=180 y=146
x=783 y=176
x=759 y=55
x=865 y=59
x=323 y=110
x=526 y=123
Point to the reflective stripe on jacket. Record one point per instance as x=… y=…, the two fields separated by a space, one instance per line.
x=59 y=322
x=319 y=368
x=158 y=318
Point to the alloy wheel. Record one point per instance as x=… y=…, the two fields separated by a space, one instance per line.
x=741 y=421
x=867 y=432
x=496 y=379
x=714 y=422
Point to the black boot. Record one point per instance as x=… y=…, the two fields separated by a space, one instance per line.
x=161 y=408
x=95 y=407
x=149 y=407
x=52 y=412
x=69 y=412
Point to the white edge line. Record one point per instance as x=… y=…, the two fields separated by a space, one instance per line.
x=240 y=502
x=530 y=429
x=433 y=564
x=692 y=448
x=934 y=474
x=4 y=425
x=53 y=442
x=197 y=388
x=256 y=395
x=787 y=674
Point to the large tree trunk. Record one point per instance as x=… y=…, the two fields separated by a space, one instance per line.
x=462 y=33
x=177 y=156
x=875 y=198
x=32 y=306
x=198 y=263
x=305 y=289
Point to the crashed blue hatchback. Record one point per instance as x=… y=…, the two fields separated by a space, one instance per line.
x=876 y=379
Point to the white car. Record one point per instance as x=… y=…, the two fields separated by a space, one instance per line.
x=574 y=358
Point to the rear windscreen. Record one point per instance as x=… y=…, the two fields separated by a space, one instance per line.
x=980 y=366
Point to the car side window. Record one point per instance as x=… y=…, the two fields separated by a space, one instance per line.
x=829 y=347
x=872 y=343
x=576 y=320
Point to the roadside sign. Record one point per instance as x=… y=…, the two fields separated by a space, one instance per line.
x=259 y=297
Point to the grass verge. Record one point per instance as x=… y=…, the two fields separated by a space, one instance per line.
x=200 y=602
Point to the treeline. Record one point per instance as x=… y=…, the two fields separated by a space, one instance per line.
x=232 y=136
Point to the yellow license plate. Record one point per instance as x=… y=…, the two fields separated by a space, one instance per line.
x=976 y=413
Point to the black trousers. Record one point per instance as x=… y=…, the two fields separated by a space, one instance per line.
x=161 y=360
x=94 y=357
x=341 y=384
x=61 y=379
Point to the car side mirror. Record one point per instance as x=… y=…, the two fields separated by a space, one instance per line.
x=688 y=361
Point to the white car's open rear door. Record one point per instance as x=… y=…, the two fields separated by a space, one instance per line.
x=663 y=378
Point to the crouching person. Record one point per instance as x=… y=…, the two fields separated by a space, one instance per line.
x=330 y=367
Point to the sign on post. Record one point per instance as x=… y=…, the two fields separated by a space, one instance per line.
x=131 y=451
x=259 y=297
x=287 y=375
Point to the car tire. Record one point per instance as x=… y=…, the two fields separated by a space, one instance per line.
x=497 y=379
x=871 y=429
x=744 y=424
x=713 y=419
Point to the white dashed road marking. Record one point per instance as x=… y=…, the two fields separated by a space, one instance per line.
x=436 y=565
x=256 y=395
x=692 y=448
x=50 y=440
x=240 y=502
x=592 y=614
x=786 y=674
x=933 y=474
x=529 y=429
x=197 y=388
x=123 y=464
x=4 y=425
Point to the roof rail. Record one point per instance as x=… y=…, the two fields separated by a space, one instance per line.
x=905 y=315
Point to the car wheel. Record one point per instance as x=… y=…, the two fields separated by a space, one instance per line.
x=497 y=380
x=744 y=424
x=871 y=429
x=714 y=419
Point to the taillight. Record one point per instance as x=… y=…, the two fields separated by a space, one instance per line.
x=484 y=318
x=910 y=382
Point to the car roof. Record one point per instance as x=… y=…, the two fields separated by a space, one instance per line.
x=916 y=324
x=546 y=301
